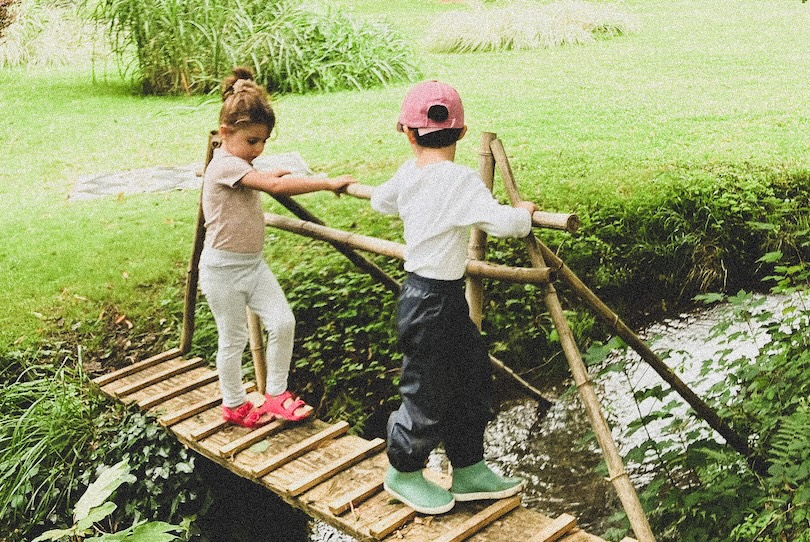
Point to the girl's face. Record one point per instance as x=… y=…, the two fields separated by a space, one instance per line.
x=246 y=142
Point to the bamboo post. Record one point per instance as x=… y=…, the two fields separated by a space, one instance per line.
x=618 y=475
x=193 y=271
x=476 y=249
x=257 y=349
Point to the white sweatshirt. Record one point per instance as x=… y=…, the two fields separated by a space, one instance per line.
x=438 y=204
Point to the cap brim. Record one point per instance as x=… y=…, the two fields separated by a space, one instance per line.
x=426 y=131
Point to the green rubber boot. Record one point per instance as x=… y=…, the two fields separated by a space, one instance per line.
x=478 y=482
x=413 y=490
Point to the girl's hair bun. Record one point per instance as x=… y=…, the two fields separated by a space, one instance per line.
x=243 y=72
x=244 y=101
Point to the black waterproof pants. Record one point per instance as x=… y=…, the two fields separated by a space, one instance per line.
x=446 y=380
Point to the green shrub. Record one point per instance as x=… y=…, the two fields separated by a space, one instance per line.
x=346 y=353
x=55 y=431
x=187 y=47
x=703 y=232
x=169 y=486
x=94 y=506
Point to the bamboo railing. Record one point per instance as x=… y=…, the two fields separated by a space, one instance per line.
x=546 y=268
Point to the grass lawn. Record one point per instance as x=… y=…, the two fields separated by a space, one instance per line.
x=699 y=85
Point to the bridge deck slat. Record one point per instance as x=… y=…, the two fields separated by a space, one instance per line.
x=556 y=529
x=107 y=378
x=256 y=435
x=481 y=519
x=392 y=522
x=353 y=498
x=183 y=366
x=327 y=471
x=300 y=449
x=149 y=402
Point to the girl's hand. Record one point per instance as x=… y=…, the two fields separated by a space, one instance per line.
x=338 y=185
x=279 y=172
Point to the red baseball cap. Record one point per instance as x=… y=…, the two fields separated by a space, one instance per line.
x=419 y=100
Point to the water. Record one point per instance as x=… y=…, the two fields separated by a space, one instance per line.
x=548 y=445
x=542 y=446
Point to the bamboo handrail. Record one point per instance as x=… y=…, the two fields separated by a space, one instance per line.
x=357 y=259
x=522 y=275
x=556 y=221
x=618 y=475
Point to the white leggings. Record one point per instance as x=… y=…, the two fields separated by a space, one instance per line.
x=231 y=282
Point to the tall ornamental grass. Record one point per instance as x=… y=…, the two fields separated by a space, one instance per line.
x=526 y=25
x=45 y=32
x=188 y=46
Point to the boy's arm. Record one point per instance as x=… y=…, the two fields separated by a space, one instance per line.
x=275 y=183
x=486 y=213
x=384 y=198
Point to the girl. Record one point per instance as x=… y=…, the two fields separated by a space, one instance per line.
x=233 y=273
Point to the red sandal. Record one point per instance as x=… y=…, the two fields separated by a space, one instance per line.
x=275 y=406
x=245 y=415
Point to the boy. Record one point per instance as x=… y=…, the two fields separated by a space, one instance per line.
x=446 y=380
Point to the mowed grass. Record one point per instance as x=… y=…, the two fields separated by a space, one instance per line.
x=701 y=84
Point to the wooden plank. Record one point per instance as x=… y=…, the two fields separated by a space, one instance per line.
x=208 y=429
x=556 y=529
x=392 y=522
x=481 y=520
x=186 y=365
x=149 y=402
x=135 y=367
x=628 y=539
x=300 y=449
x=256 y=435
x=169 y=419
x=352 y=499
x=366 y=449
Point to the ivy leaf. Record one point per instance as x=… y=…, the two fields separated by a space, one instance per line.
x=771 y=257
x=54 y=534
x=100 y=490
x=710 y=298
x=155 y=531
x=94 y=515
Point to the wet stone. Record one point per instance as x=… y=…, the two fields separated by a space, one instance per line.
x=167 y=178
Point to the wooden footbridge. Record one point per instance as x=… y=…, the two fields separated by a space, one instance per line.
x=337 y=477
x=318 y=467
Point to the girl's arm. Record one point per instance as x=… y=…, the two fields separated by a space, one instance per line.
x=275 y=183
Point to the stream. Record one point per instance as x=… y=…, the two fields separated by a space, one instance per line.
x=548 y=445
